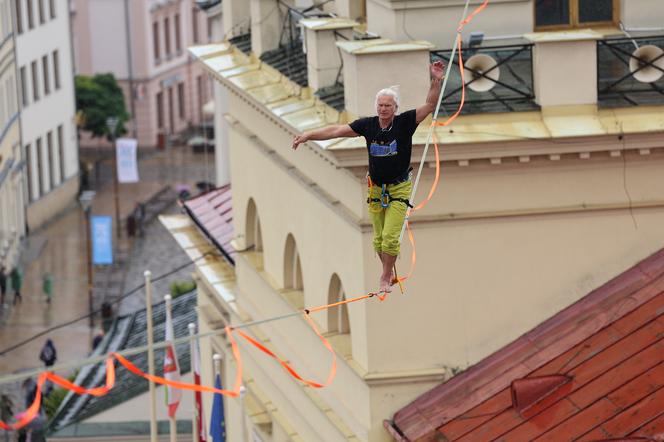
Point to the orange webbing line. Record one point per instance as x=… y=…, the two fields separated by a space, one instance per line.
x=336 y=304
x=34 y=408
x=286 y=365
x=192 y=387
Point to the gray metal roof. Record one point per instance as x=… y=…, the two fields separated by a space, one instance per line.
x=127 y=332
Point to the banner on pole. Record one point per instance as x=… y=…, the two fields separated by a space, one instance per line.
x=101 y=227
x=127 y=163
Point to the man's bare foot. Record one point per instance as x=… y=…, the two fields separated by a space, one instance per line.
x=385 y=285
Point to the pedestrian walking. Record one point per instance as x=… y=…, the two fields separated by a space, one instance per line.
x=48 y=353
x=47 y=286
x=16 y=279
x=6 y=412
x=3 y=284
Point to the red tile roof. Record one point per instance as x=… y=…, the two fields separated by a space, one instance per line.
x=611 y=346
x=213 y=214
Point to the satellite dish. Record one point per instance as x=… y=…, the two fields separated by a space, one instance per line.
x=481 y=63
x=644 y=54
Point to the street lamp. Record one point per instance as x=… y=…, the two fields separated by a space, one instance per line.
x=86 y=203
x=112 y=124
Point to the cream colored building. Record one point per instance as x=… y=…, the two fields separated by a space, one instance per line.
x=538 y=204
x=46 y=97
x=12 y=164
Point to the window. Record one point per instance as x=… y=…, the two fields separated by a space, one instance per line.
x=35 y=81
x=24 y=87
x=292 y=266
x=31 y=18
x=42 y=13
x=47 y=85
x=181 y=102
x=178 y=42
x=51 y=160
x=155 y=41
x=56 y=69
x=61 y=153
x=18 y=10
x=171 y=111
x=210 y=21
x=199 y=88
x=51 y=8
x=167 y=37
x=337 y=318
x=40 y=167
x=29 y=161
x=552 y=14
x=11 y=95
x=194 y=24
x=160 y=110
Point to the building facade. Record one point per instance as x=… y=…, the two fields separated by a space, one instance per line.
x=46 y=97
x=12 y=164
x=144 y=44
x=550 y=186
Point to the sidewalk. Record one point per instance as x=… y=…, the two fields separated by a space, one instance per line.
x=60 y=249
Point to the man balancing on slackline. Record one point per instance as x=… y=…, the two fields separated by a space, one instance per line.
x=389 y=138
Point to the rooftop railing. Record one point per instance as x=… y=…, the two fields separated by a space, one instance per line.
x=626 y=77
x=498 y=79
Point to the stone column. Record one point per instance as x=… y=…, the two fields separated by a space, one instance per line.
x=323 y=57
x=265 y=25
x=370 y=65
x=565 y=67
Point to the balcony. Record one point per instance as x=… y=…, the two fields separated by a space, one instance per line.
x=642 y=83
x=498 y=79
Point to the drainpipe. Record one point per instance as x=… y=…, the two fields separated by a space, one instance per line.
x=130 y=69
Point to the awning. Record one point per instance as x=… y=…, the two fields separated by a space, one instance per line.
x=213 y=214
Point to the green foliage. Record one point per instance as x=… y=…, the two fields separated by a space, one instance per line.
x=97 y=98
x=181 y=287
x=55 y=398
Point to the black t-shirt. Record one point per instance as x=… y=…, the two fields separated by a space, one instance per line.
x=390 y=148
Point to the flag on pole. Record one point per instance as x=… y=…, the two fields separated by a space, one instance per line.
x=217 y=421
x=202 y=434
x=171 y=368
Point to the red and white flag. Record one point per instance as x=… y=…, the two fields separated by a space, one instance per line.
x=200 y=418
x=171 y=367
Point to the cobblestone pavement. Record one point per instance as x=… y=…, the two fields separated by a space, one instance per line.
x=60 y=249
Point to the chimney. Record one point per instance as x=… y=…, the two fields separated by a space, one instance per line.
x=236 y=17
x=265 y=25
x=371 y=65
x=565 y=67
x=323 y=57
x=527 y=392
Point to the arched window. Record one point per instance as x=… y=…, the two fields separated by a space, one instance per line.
x=253 y=233
x=292 y=266
x=337 y=317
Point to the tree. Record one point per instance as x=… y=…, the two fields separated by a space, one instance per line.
x=97 y=98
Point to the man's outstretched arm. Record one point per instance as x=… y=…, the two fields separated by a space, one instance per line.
x=429 y=106
x=325 y=133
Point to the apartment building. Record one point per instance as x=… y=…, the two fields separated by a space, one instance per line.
x=144 y=44
x=12 y=165
x=543 y=239
x=46 y=97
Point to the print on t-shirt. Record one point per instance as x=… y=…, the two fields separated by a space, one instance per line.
x=379 y=149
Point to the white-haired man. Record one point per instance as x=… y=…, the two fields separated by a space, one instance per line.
x=389 y=138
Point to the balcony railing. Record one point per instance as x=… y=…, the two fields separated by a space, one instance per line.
x=511 y=74
x=617 y=84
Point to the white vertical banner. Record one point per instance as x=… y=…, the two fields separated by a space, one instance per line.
x=125 y=150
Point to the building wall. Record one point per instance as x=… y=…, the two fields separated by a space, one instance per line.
x=46 y=95
x=12 y=196
x=517 y=231
x=156 y=66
